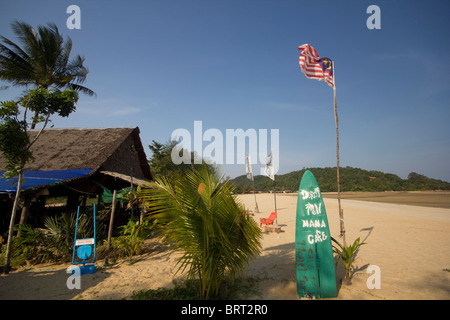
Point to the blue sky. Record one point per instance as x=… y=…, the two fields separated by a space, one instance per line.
x=161 y=65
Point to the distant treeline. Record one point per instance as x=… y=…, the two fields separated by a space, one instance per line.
x=352 y=179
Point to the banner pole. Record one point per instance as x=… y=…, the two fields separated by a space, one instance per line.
x=275 y=201
x=274 y=191
x=254 y=193
x=249 y=172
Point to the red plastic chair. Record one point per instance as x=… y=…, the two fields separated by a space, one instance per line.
x=269 y=220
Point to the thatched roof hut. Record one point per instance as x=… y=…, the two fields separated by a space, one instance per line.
x=84 y=160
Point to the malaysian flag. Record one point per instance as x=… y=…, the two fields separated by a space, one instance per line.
x=314 y=67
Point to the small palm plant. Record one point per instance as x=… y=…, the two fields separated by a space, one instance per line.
x=132 y=237
x=347 y=255
x=200 y=217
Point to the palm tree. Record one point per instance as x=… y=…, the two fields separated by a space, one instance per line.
x=200 y=217
x=42 y=61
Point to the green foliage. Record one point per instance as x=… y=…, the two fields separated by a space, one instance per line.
x=352 y=179
x=132 y=236
x=201 y=218
x=30 y=241
x=13 y=145
x=347 y=254
x=30 y=246
x=52 y=243
x=14 y=140
x=45 y=102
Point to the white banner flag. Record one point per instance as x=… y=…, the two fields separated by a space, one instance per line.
x=269 y=166
x=248 y=167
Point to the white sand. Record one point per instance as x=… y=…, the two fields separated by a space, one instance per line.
x=410 y=244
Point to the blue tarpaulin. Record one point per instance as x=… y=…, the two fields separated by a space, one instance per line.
x=33 y=179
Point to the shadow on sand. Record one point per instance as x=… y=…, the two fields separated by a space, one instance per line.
x=46 y=283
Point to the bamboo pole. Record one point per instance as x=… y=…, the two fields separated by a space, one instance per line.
x=111 y=222
x=336 y=118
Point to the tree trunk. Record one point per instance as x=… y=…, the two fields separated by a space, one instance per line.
x=11 y=224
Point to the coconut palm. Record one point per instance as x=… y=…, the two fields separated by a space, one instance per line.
x=200 y=217
x=42 y=61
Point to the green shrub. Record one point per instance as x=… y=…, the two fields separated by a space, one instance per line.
x=132 y=236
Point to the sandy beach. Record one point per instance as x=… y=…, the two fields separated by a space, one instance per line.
x=410 y=245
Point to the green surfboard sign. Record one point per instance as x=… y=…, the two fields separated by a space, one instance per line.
x=316 y=274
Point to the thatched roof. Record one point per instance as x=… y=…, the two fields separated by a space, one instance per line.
x=112 y=149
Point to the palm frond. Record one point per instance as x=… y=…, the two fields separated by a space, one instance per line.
x=43 y=59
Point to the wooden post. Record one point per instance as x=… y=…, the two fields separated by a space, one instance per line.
x=84 y=201
x=111 y=222
x=24 y=213
x=132 y=199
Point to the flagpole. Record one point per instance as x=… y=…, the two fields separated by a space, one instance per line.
x=341 y=211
